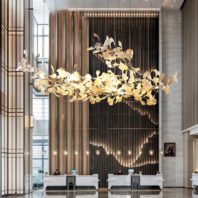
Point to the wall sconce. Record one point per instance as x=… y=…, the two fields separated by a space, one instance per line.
x=55 y=152
x=29 y=121
x=161 y=152
x=129 y=152
x=87 y=152
x=97 y=152
x=151 y=152
x=76 y=153
x=65 y=152
x=119 y=152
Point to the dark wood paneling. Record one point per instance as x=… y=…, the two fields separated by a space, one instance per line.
x=189 y=63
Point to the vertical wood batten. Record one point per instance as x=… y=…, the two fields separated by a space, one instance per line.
x=52 y=99
x=77 y=105
x=85 y=106
x=69 y=110
x=61 y=63
x=69 y=133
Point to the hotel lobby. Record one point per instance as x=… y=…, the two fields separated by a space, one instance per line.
x=99 y=98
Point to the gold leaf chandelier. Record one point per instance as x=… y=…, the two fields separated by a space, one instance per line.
x=126 y=82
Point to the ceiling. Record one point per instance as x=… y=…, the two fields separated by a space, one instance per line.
x=107 y=4
x=42 y=8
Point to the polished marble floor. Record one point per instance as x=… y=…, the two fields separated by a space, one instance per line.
x=166 y=193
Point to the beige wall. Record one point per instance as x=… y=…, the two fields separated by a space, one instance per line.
x=172 y=167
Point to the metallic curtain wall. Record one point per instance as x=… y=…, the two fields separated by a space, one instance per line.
x=125 y=135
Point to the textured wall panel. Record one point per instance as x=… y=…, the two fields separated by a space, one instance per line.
x=172 y=167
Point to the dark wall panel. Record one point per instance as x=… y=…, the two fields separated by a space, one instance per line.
x=189 y=63
x=125 y=133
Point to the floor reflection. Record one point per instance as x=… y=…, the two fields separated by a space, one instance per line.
x=166 y=193
x=113 y=194
x=195 y=193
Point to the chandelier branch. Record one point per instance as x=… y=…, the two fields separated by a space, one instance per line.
x=127 y=81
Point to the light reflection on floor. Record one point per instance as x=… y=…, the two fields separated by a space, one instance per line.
x=166 y=193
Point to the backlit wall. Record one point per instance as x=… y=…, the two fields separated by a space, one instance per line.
x=125 y=135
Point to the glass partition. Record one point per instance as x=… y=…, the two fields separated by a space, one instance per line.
x=40 y=101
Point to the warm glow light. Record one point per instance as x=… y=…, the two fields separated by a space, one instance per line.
x=55 y=152
x=87 y=152
x=161 y=152
x=97 y=152
x=151 y=152
x=122 y=161
x=65 y=152
x=76 y=153
x=108 y=153
x=129 y=152
x=119 y=152
x=142 y=112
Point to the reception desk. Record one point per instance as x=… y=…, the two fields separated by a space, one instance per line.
x=59 y=182
x=194 y=180
x=136 y=181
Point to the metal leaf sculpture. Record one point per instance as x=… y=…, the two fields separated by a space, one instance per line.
x=24 y=64
x=129 y=82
